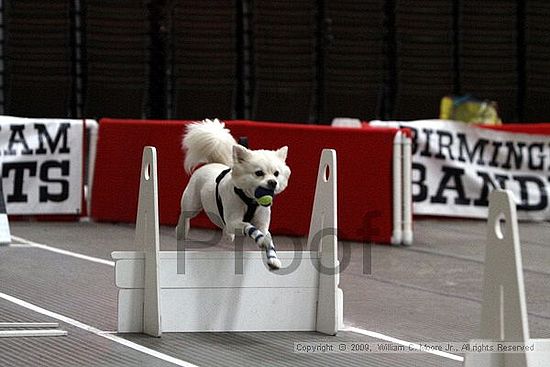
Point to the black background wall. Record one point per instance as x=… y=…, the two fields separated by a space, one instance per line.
x=280 y=60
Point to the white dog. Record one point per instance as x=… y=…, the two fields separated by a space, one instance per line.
x=235 y=186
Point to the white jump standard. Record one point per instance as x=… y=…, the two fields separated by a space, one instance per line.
x=5 y=236
x=504 y=310
x=302 y=296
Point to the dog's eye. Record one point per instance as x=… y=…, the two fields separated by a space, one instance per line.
x=276 y=174
x=259 y=173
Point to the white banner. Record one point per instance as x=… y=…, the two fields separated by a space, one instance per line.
x=41 y=165
x=456 y=165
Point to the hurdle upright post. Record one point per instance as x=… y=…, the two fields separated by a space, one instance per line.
x=147 y=240
x=5 y=235
x=504 y=309
x=397 y=182
x=323 y=233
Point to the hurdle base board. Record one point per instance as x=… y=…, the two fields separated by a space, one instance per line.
x=198 y=269
x=223 y=309
x=538 y=358
x=203 y=300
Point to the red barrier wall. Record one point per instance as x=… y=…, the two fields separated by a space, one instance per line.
x=364 y=173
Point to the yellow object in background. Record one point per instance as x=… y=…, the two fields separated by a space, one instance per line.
x=469 y=109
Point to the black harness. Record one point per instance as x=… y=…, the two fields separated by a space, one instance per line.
x=251 y=204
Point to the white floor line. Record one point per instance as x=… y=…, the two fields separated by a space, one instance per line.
x=96 y=331
x=63 y=252
x=405 y=343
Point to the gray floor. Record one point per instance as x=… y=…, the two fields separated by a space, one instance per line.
x=429 y=292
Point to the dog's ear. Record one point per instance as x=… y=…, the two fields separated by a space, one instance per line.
x=282 y=153
x=240 y=154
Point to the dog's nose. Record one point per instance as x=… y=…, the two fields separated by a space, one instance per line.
x=272 y=184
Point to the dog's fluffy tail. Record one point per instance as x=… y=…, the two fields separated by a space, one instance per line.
x=207 y=141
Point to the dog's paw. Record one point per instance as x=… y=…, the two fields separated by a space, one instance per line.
x=265 y=242
x=274 y=263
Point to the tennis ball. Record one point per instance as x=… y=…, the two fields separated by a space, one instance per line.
x=264 y=196
x=265 y=200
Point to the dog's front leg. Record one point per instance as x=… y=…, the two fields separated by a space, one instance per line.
x=263 y=240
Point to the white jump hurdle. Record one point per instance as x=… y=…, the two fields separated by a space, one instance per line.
x=211 y=295
x=504 y=310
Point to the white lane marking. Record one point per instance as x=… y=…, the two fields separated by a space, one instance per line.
x=63 y=252
x=93 y=330
x=405 y=343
